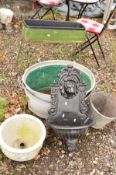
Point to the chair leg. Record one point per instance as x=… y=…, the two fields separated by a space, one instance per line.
x=40 y=17
x=86 y=43
x=53 y=14
x=82 y=9
x=92 y=50
x=37 y=12
x=101 y=49
x=89 y=42
x=45 y=13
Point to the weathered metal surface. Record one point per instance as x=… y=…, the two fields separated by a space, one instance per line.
x=69 y=114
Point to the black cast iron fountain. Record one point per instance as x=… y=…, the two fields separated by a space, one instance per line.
x=69 y=115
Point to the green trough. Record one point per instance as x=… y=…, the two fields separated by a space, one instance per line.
x=53 y=31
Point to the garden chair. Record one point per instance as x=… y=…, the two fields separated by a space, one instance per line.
x=96 y=29
x=48 y=5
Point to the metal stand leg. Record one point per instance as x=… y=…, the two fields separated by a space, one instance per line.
x=19 y=51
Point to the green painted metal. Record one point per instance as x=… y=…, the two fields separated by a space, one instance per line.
x=42 y=78
x=53 y=31
x=53 y=35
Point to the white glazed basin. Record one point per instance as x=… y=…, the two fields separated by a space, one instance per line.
x=21 y=137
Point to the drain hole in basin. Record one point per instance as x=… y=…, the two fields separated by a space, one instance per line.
x=22 y=145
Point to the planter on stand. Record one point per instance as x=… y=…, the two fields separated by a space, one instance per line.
x=53 y=31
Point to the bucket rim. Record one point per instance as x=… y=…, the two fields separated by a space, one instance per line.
x=95 y=109
x=56 y=62
x=5 y=146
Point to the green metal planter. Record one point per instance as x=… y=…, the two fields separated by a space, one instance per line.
x=53 y=31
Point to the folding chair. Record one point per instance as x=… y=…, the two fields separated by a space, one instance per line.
x=48 y=5
x=96 y=29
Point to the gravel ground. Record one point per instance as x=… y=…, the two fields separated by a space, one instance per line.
x=96 y=150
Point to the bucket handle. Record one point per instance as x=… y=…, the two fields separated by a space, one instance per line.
x=23 y=87
x=21 y=84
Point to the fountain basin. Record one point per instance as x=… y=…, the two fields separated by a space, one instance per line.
x=69 y=135
x=22 y=137
x=41 y=76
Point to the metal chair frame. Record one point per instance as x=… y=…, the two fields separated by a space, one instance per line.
x=48 y=9
x=94 y=38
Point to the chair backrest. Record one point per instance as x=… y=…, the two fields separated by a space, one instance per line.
x=107 y=21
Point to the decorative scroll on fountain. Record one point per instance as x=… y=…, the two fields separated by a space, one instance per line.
x=69 y=115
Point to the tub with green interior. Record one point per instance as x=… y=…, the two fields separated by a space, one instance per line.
x=43 y=78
